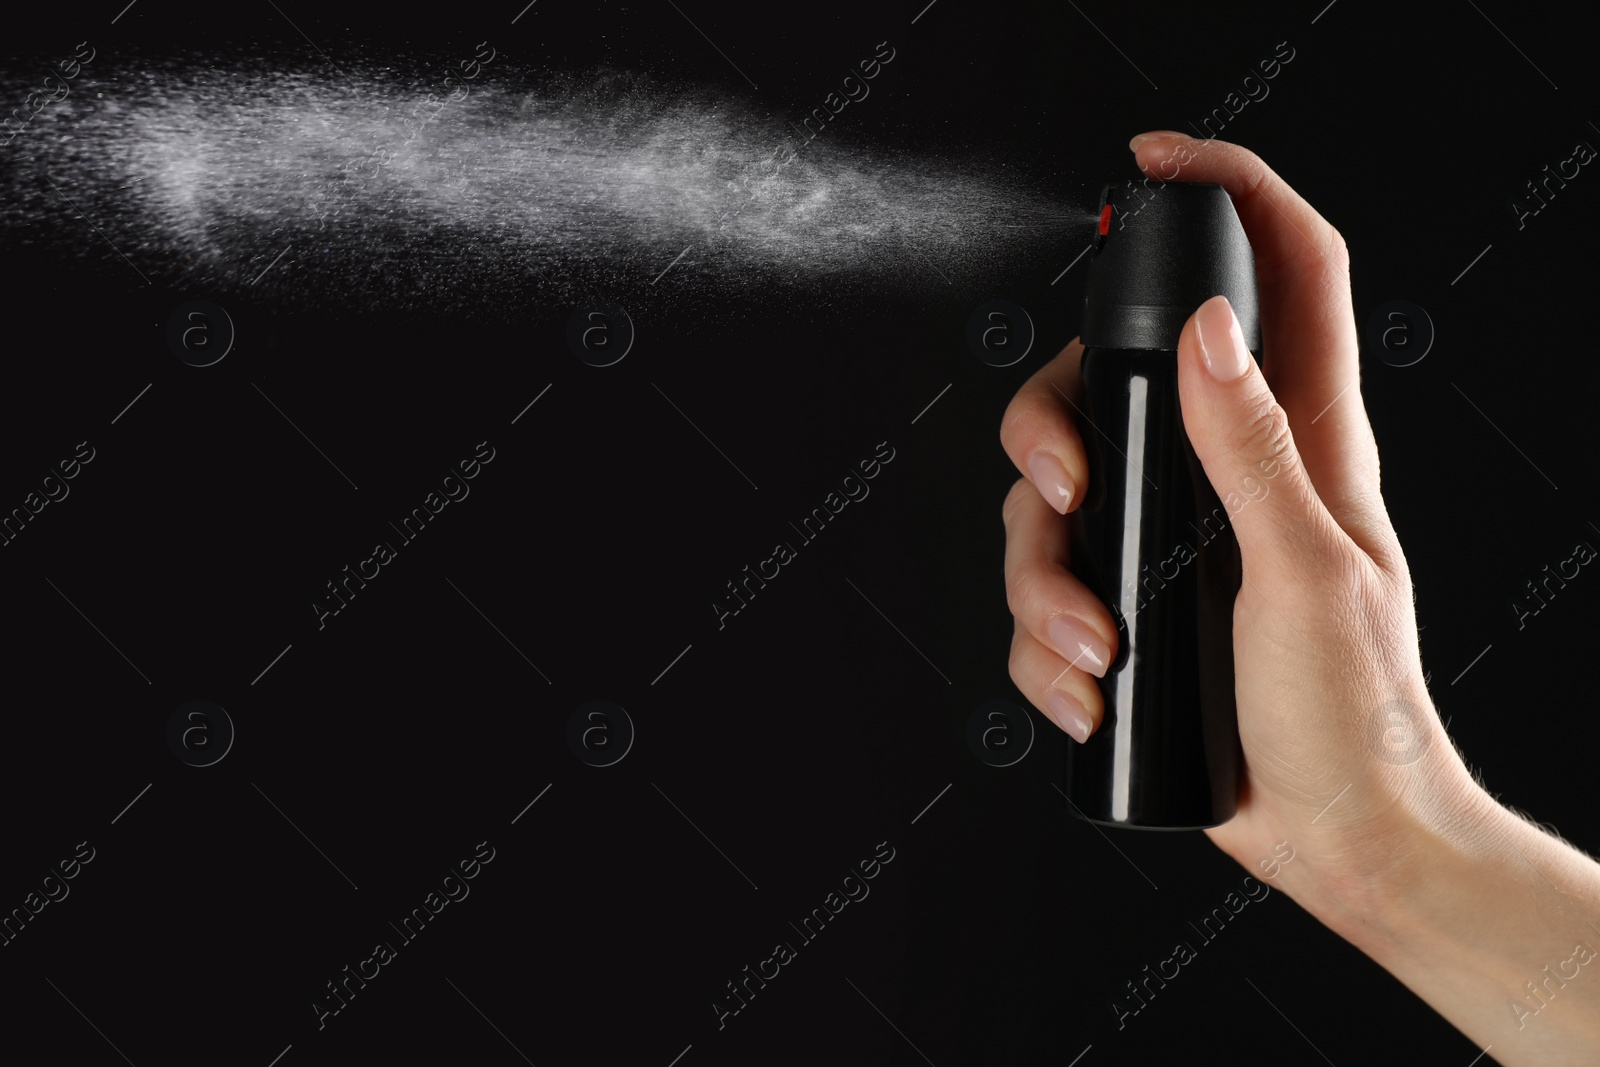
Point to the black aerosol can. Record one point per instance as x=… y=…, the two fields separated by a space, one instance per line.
x=1151 y=537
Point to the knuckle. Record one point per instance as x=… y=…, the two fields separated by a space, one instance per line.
x=1022 y=413
x=1014 y=662
x=1265 y=436
x=1018 y=676
x=1013 y=500
x=1021 y=588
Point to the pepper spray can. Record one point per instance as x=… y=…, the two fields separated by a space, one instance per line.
x=1151 y=537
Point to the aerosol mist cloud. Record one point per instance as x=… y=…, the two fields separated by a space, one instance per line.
x=375 y=187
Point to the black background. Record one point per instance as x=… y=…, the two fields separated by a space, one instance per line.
x=774 y=754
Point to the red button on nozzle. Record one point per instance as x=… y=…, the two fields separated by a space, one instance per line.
x=1105 y=220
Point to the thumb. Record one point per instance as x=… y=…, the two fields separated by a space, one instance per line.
x=1241 y=435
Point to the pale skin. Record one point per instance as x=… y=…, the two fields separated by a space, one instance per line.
x=1408 y=858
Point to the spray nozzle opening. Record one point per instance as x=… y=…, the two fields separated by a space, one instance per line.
x=1103 y=226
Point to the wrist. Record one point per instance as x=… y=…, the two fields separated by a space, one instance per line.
x=1417 y=867
x=1480 y=913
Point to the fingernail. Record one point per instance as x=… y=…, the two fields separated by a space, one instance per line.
x=1068 y=714
x=1050 y=477
x=1153 y=135
x=1079 y=645
x=1221 y=341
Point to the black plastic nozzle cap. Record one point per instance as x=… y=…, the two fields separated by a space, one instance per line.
x=1169 y=247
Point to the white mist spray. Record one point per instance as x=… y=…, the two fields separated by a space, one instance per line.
x=372 y=193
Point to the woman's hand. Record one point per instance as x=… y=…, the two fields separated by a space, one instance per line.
x=1345 y=760
x=1342 y=746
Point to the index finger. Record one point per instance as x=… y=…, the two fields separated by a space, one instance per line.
x=1312 y=354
